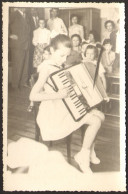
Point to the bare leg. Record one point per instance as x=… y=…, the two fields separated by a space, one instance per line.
x=83 y=157
x=91 y=132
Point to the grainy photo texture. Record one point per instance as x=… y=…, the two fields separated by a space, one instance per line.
x=63 y=96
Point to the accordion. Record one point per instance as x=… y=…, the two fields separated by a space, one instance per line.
x=83 y=96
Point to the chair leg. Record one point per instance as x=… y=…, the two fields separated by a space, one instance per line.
x=68 y=139
x=37 y=133
x=37 y=129
x=50 y=144
x=83 y=129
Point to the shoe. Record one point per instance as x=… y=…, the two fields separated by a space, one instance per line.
x=83 y=160
x=30 y=108
x=93 y=158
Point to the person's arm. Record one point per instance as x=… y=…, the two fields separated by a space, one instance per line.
x=34 y=41
x=69 y=32
x=82 y=32
x=38 y=95
x=63 y=28
x=48 y=25
x=103 y=79
x=48 y=37
x=102 y=75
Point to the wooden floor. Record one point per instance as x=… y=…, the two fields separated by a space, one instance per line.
x=22 y=124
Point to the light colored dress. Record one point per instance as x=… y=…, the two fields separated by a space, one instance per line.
x=76 y=29
x=54 y=119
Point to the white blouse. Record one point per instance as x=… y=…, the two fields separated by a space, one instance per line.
x=41 y=36
x=76 y=29
x=56 y=26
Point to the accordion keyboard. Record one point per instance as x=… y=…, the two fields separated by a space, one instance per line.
x=76 y=106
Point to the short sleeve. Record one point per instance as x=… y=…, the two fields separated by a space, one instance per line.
x=43 y=70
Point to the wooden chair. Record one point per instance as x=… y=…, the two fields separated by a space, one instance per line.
x=37 y=129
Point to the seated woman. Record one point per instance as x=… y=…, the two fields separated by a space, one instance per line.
x=75 y=28
x=76 y=43
x=75 y=55
x=109 y=26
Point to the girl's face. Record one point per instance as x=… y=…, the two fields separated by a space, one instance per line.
x=74 y=20
x=109 y=27
x=46 y=55
x=90 y=54
x=60 y=55
x=75 y=42
x=108 y=47
x=41 y=24
x=91 y=38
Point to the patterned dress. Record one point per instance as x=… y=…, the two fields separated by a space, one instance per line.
x=41 y=38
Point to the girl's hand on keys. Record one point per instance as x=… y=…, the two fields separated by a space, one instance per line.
x=64 y=93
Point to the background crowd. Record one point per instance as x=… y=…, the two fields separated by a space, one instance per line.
x=30 y=36
x=34 y=43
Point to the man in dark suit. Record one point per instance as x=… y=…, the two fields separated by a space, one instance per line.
x=19 y=43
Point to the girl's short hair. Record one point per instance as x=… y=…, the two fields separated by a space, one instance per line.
x=60 y=39
x=109 y=21
x=95 y=34
x=78 y=36
x=93 y=48
x=107 y=41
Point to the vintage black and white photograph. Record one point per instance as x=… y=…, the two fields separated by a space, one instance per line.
x=64 y=96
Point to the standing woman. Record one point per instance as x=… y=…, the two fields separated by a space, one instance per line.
x=56 y=24
x=41 y=39
x=75 y=28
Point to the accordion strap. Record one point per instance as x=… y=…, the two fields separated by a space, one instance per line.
x=51 y=84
